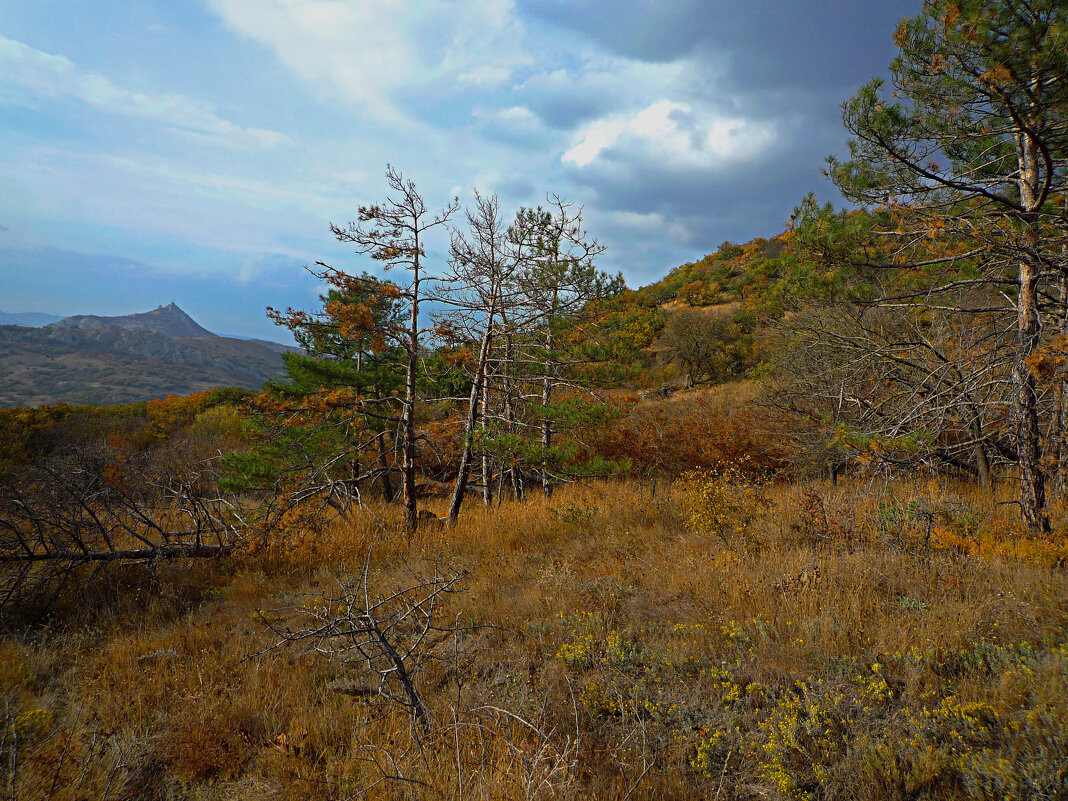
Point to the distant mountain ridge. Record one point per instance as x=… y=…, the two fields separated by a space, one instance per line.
x=31 y=319
x=103 y=360
x=168 y=320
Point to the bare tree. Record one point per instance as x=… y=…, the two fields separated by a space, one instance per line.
x=394 y=233
x=900 y=386
x=389 y=636
x=706 y=345
x=393 y=634
x=480 y=291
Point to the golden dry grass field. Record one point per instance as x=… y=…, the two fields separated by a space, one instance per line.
x=858 y=641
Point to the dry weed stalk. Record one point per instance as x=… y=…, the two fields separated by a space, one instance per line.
x=392 y=634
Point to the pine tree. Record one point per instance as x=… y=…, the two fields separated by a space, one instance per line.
x=970 y=147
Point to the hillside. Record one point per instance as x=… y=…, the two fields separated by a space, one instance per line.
x=713 y=620
x=105 y=360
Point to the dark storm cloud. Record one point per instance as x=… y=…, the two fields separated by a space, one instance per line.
x=645 y=187
x=747 y=198
x=710 y=207
x=565 y=106
x=568 y=111
x=785 y=65
x=565 y=98
x=679 y=123
x=770 y=43
x=516 y=190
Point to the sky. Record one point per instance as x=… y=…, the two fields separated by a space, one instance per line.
x=196 y=151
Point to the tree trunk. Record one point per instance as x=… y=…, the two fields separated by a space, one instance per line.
x=547 y=424
x=515 y=477
x=1058 y=462
x=487 y=468
x=983 y=466
x=148 y=554
x=387 y=484
x=1061 y=466
x=982 y=463
x=472 y=422
x=411 y=511
x=1028 y=336
x=1028 y=434
x=354 y=472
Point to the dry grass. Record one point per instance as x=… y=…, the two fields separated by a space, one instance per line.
x=607 y=651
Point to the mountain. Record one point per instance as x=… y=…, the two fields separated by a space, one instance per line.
x=103 y=360
x=32 y=319
x=169 y=320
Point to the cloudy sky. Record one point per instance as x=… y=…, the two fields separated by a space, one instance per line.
x=195 y=150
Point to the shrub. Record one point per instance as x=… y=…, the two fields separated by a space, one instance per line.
x=724 y=501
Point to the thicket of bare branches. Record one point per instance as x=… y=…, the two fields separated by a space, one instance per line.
x=909 y=388
x=86 y=509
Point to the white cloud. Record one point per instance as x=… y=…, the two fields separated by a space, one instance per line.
x=515 y=117
x=48 y=75
x=588 y=84
x=595 y=71
x=361 y=50
x=673 y=134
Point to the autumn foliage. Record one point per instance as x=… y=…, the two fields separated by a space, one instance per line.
x=774 y=550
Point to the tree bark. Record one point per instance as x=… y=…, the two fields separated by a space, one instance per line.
x=546 y=435
x=354 y=471
x=1028 y=434
x=487 y=468
x=515 y=477
x=133 y=555
x=547 y=391
x=1058 y=451
x=472 y=423
x=1028 y=336
x=982 y=463
x=411 y=511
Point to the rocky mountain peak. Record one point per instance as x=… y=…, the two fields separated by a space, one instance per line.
x=169 y=320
